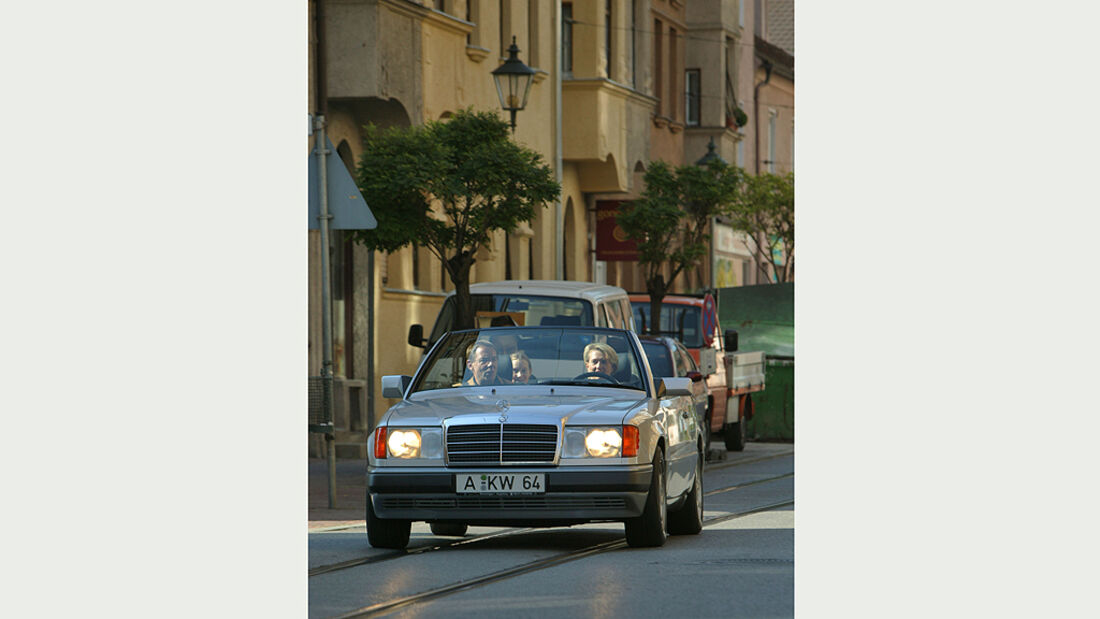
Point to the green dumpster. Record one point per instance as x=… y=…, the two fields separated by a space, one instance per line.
x=763 y=317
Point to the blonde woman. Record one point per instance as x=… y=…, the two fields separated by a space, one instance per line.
x=599 y=358
x=521 y=368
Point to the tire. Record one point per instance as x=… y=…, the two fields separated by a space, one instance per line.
x=688 y=520
x=735 y=436
x=648 y=530
x=452 y=529
x=735 y=432
x=386 y=532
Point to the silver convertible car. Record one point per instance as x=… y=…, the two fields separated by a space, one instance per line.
x=536 y=426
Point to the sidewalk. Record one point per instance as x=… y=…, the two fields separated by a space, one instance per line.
x=351 y=493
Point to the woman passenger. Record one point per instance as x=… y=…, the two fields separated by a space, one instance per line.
x=521 y=369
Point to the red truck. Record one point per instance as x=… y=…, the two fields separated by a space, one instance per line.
x=732 y=377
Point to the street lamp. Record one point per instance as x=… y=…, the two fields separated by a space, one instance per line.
x=512 y=78
x=711 y=155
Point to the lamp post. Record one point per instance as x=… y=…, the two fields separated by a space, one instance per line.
x=513 y=80
x=711 y=154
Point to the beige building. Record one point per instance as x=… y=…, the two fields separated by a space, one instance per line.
x=401 y=63
x=774 y=101
x=719 y=82
x=608 y=97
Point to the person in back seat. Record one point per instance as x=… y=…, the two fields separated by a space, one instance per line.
x=521 y=369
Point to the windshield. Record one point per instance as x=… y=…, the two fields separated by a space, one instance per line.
x=672 y=317
x=525 y=310
x=532 y=356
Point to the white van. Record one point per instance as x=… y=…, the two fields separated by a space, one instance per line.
x=533 y=302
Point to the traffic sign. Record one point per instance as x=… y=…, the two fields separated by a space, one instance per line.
x=710 y=319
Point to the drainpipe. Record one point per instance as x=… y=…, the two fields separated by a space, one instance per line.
x=756 y=103
x=559 y=214
x=321 y=101
x=756 y=122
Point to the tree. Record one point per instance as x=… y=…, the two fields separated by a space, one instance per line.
x=670 y=222
x=764 y=208
x=469 y=169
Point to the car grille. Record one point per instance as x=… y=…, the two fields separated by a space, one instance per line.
x=505 y=502
x=499 y=443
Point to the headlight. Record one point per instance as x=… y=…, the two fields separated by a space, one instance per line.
x=404 y=443
x=603 y=443
x=592 y=443
x=407 y=443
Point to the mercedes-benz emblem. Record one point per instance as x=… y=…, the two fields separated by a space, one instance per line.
x=502 y=406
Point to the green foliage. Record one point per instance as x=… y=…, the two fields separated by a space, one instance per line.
x=740 y=118
x=670 y=221
x=764 y=207
x=481 y=180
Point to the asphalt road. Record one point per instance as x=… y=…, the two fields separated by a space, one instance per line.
x=741 y=565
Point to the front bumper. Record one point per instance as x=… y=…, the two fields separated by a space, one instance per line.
x=574 y=495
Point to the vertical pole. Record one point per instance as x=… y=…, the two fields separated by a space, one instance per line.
x=321 y=102
x=370 y=343
x=559 y=214
x=326 y=311
x=713 y=255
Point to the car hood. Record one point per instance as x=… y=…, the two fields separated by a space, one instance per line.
x=592 y=406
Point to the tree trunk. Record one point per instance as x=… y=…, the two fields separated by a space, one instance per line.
x=657 y=288
x=460 y=276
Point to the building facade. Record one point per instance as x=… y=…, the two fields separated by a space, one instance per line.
x=618 y=84
x=773 y=51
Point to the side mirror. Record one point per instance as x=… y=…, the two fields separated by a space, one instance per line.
x=694 y=376
x=416 y=336
x=394 y=386
x=670 y=387
x=731 y=340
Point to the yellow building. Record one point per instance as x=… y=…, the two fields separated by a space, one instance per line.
x=607 y=98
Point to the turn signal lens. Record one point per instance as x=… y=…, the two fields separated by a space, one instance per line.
x=404 y=443
x=630 y=441
x=380 y=442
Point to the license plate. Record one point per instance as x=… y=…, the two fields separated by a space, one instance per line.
x=500 y=483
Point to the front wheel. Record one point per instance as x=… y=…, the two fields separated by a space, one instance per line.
x=688 y=520
x=386 y=532
x=649 y=528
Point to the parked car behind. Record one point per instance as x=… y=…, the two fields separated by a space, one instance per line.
x=464 y=446
x=669 y=358
x=731 y=377
x=533 y=303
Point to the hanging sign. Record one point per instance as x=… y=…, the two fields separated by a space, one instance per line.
x=611 y=241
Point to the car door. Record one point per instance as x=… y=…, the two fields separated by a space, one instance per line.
x=682 y=447
x=699 y=387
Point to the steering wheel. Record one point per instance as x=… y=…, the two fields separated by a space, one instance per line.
x=599 y=375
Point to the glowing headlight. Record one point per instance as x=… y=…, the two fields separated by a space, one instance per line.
x=404 y=443
x=581 y=442
x=603 y=443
